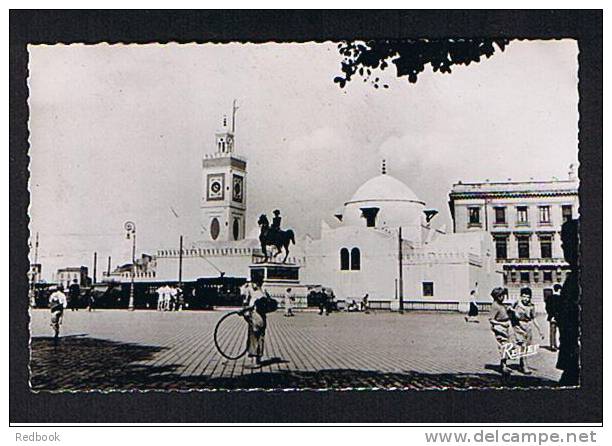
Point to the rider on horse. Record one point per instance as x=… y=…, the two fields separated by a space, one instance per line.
x=276 y=221
x=272 y=235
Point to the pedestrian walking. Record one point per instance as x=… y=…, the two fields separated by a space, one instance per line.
x=167 y=297
x=365 y=304
x=523 y=319
x=74 y=295
x=325 y=301
x=501 y=326
x=57 y=303
x=245 y=293
x=258 y=306
x=552 y=303
x=180 y=299
x=173 y=298
x=160 y=297
x=472 y=315
x=289 y=299
x=91 y=300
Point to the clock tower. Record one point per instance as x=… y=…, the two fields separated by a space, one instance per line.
x=223 y=201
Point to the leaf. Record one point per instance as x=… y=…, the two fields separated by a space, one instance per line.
x=410 y=57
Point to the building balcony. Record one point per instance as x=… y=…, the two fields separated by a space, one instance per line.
x=533 y=260
x=545 y=224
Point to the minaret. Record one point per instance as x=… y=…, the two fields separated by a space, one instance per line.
x=223 y=200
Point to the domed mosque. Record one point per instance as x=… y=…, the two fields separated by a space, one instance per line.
x=385 y=202
x=360 y=253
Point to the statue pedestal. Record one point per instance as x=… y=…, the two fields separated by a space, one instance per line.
x=277 y=277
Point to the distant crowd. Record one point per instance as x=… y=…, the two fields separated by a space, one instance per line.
x=170 y=298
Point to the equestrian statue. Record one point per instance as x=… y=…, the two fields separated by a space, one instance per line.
x=274 y=236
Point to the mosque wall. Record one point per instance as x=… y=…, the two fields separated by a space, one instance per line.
x=234 y=263
x=375 y=274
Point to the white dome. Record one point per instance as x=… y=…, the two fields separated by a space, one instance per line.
x=384 y=188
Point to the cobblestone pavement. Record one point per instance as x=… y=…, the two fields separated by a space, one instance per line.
x=147 y=350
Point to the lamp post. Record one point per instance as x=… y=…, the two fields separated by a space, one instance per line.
x=130 y=228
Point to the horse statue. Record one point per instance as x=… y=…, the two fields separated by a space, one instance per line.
x=277 y=238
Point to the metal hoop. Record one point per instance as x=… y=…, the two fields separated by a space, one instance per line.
x=221 y=352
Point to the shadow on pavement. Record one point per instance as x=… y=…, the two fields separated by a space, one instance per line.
x=83 y=364
x=370 y=379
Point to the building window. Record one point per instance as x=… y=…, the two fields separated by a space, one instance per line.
x=355 y=259
x=536 y=276
x=214 y=228
x=501 y=247
x=524 y=277
x=236 y=228
x=547 y=276
x=522 y=217
x=474 y=214
x=566 y=212
x=523 y=247
x=513 y=276
x=370 y=215
x=544 y=214
x=500 y=216
x=344 y=259
x=428 y=289
x=546 y=247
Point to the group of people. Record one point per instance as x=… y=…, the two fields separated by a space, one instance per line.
x=513 y=324
x=513 y=327
x=170 y=298
x=363 y=306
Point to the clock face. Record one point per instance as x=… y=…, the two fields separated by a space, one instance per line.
x=238 y=192
x=215 y=187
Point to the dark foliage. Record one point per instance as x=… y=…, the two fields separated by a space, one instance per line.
x=411 y=56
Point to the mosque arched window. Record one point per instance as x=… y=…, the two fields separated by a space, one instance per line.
x=355 y=259
x=344 y=259
x=214 y=228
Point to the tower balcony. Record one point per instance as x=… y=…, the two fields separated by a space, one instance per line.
x=219 y=155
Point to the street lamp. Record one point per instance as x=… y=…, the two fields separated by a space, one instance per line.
x=130 y=228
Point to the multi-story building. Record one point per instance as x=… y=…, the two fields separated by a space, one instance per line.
x=524 y=218
x=143 y=270
x=66 y=276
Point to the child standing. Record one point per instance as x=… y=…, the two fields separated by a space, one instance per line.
x=524 y=319
x=500 y=325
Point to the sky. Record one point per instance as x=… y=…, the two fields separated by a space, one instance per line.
x=117 y=133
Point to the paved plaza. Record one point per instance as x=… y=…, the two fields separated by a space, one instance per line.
x=147 y=350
